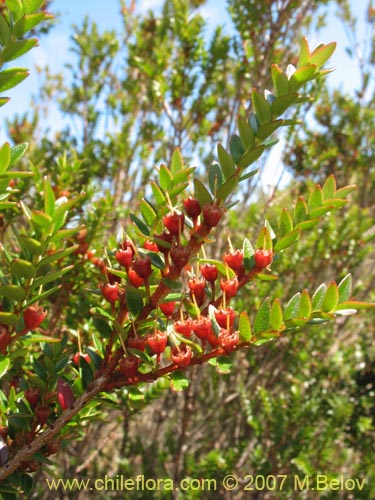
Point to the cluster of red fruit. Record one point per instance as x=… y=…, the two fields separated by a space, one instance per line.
x=214 y=324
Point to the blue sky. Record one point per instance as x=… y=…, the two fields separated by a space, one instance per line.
x=54 y=48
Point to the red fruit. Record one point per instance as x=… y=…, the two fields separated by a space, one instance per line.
x=151 y=245
x=202 y=327
x=167 y=308
x=183 y=327
x=135 y=279
x=212 y=215
x=174 y=223
x=42 y=413
x=181 y=356
x=77 y=357
x=192 y=207
x=65 y=394
x=129 y=366
x=33 y=316
x=234 y=259
x=4 y=339
x=263 y=258
x=111 y=292
x=209 y=272
x=180 y=256
x=228 y=341
x=136 y=343
x=229 y=287
x=124 y=257
x=142 y=266
x=225 y=317
x=157 y=341
x=32 y=395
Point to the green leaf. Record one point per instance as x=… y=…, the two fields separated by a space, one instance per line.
x=329 y=187
x=103 y=327
x=304 y=56
x=86 y=373
x=300 y=210
x=26 y=23
x=5 y=31
x=316 y=198
x=280 y=82
x=292 y=308
x=286 y=223
x=51 y=276
x=269 y=128
x=246 y=134
x=318 y=297
x=344 y=191
x=33 y=246
x=253 y=122
x=16 y=8
x=215 y=177
x=261 y=107
x=236 y=148
x=156 y=260
x=4 y=365
x=331 y=298
x=322 y=53
x=287 y=240
x=7 y=318
x=345 y=288
x=49 y=197
x=12 y=292
x=22 y=268
x=5 y=157
x=248 y=254
x=179 y=381
x=301 y=76
x=158 y=194
x=305 y=307
x=226 y=162
x=38 y=338
x=17 y=49
x=201 y=193
x=276 y=318
x=134 y=300
x=9 y=78
x=140 y=225
x=41 y=220
x=227 y=188
x=244 y=327
x=262 y=317
x=354 y=304
x=283 y=102
x=165 y=178
x=264 y=239
x=223 y=364
x=250 y=156
x=56 y=256
x=307 y=224
x=4 y=100
x=177 y=163
x=148 y=212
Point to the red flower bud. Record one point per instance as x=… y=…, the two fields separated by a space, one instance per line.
x=183 y=327
x=228 y=341
x=136 y=343
x=124 y=257
x=212 y=215
x=129 y=366
x=192 y=207
x=234 y=259
x=33 y=317
x=32 y=396
x=181 y=356
x=151 y=245
x=110 y=292
x=180 y=256
x=209 y=272
x=263 y=258
x=167 y=308
x=202 y=327
x=229 y=287
x=157 y=341
x=42 y=413
x=225 y=317
x=174 y=223
x=65 y=394
x=142 y=266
